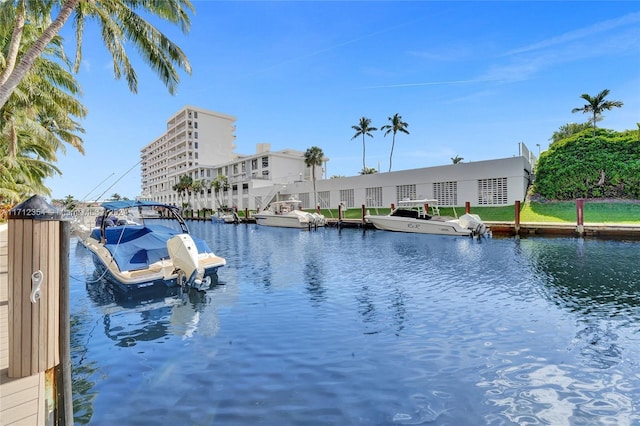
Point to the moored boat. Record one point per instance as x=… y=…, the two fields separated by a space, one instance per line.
x=289 y=214
x=412 y=216
x=135 y=256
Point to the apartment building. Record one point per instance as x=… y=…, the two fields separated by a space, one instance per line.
x=199 y=143
x=194 y=137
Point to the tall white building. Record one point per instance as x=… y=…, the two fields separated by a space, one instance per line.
x=194 y=137
x=199 y=143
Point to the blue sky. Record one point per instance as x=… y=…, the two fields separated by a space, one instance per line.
x=472 y=79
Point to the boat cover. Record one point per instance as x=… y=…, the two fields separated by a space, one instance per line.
x=136 y=247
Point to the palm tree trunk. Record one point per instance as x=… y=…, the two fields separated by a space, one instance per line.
x=393 y=142
x=363 y=164
x=315 y=194
x=12 y=77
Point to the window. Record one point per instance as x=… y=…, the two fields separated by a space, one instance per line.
x=346 y=197
x=195 y=114
x=492 y=191
x=405 y=192
x=235 y=169
x=195 y=135
x=446 y=193
x=373 y=197
x=254 y=164
x=304 y=197
x=324 y=199
x=196 y=145
x=265 y=162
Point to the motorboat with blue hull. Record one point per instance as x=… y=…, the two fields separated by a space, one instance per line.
x=412 y=216
x=142 y=255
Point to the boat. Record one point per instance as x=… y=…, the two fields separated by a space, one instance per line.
x=141 y=254
x=225 y=215
x=289 y=214
x=412 y=216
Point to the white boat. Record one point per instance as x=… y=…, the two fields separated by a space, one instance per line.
x=135 y=256
x=225 y=215
x=289 y=214
x=411 y=216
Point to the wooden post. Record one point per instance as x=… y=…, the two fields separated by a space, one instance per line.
x=246 y=215
x=363 y=211
x=339 y=212
x=467 y=207
x=517 y=220
x=580 y=215
x=34 y=287
x=64 y=393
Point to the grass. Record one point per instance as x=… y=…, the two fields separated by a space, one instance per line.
x=559 y=211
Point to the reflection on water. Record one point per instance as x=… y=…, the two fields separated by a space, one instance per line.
x=370 y=328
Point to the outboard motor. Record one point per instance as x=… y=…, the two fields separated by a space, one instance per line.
x=473 y=222
x=184 y=255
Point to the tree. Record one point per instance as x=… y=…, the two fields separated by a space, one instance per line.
x=121 y=24
x=197 y=187
x=397 y=125
x=220 y=183
x=184 y=185
x=457 y=159
x=69 y=202
x=567 y=130
x=596 y=105
x=116 y=197
x=368 y=171
x=312 y=158
x=37 y=121
x=363 y=128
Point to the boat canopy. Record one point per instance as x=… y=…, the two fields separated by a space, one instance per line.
x=135 y=247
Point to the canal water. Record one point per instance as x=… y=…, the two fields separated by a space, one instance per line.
x=357 y=327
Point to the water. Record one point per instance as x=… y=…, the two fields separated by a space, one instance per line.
x=368 y=328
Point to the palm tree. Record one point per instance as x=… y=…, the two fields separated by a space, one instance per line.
x=368 y=171
x=397 y=125
x=457 y=159
x=363 y=128
x=184 y=185
x=220 y=183
x=197 y=187
x=314 y=157
x=121 y=23
x=596 y=105
x=37 y=121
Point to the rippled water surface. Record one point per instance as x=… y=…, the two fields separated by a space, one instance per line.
x=368 y=328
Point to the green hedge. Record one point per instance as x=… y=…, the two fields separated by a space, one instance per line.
x=584 y=166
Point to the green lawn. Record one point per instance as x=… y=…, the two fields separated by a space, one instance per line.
x=559 y=211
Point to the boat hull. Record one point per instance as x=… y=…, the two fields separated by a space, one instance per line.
x=158 y=274
x=300 y=220
x=418 y=226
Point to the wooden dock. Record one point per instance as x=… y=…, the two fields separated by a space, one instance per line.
x=21 y=400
